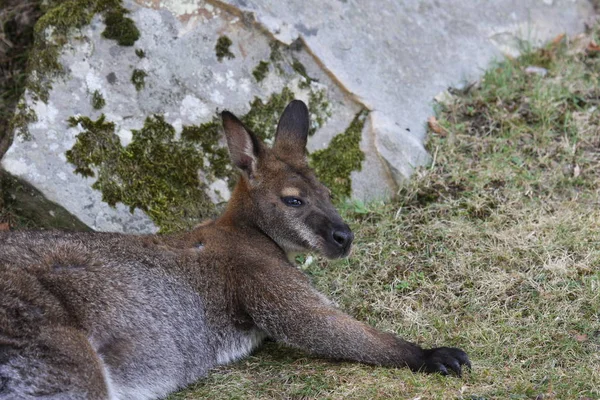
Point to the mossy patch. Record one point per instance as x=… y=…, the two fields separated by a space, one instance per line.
x=52 y=31
x=207 y=137
x=301 y=70
x=97 y=100
x=23 y=116
x=222 y=48
x=263 y=116
x=138 y=78
x=334 y=164
x=159 y=174
x=319 y=108
x=261 y=71
x=155 y=172
x=120 y=28
x=276 y=55
x=140 y=53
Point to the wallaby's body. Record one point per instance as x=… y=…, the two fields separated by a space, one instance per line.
x=111 y=316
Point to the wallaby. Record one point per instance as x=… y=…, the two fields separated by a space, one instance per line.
x=115 y=316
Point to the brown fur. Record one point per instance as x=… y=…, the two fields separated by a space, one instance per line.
x=98 y=315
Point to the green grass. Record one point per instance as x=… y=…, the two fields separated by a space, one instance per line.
x=494 y=248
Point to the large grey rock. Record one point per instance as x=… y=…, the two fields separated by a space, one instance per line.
x=389 y=57
x=395 y=56
x=184 y=82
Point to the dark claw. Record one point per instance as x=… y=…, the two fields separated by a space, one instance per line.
x=463 y=359
x=442 y=369
x=441 y=358
x=468 y=365
x=455 y=366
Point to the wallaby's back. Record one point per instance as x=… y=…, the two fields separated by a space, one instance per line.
x=139 y=301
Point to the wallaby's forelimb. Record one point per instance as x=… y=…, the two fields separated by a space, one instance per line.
x=296 y=314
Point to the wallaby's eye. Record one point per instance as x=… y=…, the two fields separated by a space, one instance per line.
x=292 y=201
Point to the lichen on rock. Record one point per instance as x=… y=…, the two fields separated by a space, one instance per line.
x=22 y=117
x=222 y=48
x=319 y=108
x=120 y=28
x=97 y=100
x=260 y=71
x=53 y=29
x=301 y=70
x=263 y=116
x=154 y=173
x=334 y=164
x=206 y=136
x=138 y=78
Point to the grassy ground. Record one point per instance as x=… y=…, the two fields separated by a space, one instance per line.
x=494 y=248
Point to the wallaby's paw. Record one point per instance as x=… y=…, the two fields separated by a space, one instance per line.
x=444 y=360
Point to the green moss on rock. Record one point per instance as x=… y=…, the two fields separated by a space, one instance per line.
x=158 y=174
x=334 y=164
x=138 y=78
x=51 y=33
x=155 y=172
x=320 y=110
x=276 y=55
x=120 y=28
x=261 y=71
x=301 y=70
x=222 y=48
x=140 y=53
x=97 y=100
x=263 y=117
x=21 y=119
x=207 y=137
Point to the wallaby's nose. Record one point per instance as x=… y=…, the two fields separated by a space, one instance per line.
x=343 y=237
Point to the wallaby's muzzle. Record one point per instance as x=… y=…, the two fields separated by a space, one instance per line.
x=341 y=239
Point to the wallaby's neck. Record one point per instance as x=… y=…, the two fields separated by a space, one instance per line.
x=240 y=210
x=240 y=214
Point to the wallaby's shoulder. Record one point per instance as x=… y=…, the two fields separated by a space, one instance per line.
x=226 y=242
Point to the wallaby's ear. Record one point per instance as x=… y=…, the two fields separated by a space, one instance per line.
x=244 y=147
x=292 y=131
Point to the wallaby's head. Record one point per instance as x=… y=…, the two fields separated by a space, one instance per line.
x=279 y=193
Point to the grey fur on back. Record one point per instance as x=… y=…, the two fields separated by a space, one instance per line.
x=137 y=311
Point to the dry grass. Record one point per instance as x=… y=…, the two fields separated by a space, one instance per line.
x=494 y=248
